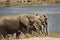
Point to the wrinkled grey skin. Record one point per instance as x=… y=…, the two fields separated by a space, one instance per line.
x=36 y=23
x=23 y=18
x=10 y=25
x=32 y=22
x=44 y=22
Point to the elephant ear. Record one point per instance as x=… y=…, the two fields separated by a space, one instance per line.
x=31 y=18
x=31 y=22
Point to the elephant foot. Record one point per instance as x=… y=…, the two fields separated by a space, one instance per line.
x=46 y=33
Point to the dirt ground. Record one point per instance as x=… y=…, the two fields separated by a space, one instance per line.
x=42 y=38
x=38 y=38
x=52 y=36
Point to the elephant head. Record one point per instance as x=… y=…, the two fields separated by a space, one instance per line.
x=43 y=19
x=36 y=23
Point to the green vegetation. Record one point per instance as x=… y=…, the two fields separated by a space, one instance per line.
x=28 y=2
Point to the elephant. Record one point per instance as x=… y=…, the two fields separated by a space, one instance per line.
x=10 y=25
x=44 y=21
x=32 y=22
x=24 y=18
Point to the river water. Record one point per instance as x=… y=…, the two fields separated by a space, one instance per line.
x=51 y=10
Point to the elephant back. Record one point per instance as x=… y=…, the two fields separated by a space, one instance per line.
x=10 y=22
x=24 y=18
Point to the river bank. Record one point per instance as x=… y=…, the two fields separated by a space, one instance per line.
x=8 y=3
x=51 y=36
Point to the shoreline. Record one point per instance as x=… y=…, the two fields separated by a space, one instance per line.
x=27 y=5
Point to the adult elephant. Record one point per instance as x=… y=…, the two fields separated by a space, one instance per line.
x=24 y=19
x=10 y=25
x=44 y=22
x=32 y=22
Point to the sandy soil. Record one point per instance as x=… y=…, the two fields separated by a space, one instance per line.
x=52 y=36
x=37 y=38
x=43 y=38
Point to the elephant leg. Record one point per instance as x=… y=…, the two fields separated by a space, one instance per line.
x=17 y=35
x=45 y=25
x=4 y=35
x=27 y=30
x=46 y=30
x=24 y=32
x=30 y=31
x=12 y=34
x=40 y=29
x=0 y=36
x=36 y=28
